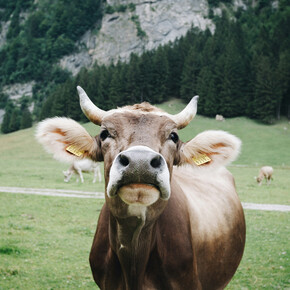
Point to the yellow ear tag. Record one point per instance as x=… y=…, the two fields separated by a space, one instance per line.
x=74 y=150
x=201 y=159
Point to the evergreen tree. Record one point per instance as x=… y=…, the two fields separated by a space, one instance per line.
x=7 y=117
x=146 y=76
x=283 y=105
x=206 y=88
x=189 y=76
x=116 y=88
x=59 y=105
x=266 y=96
x=46 y=109
x=232 y=82
x=15 y=119
x=26 y=119
x=132 y=87
x=160 y=76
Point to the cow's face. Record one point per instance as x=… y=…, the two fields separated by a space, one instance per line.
x=139 y=150
x=139 y=146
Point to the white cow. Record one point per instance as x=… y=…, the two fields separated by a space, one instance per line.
x=265 y=172
x=83 y=165
x=219 y=118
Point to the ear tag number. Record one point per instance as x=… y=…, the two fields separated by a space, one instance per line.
x=201 y=159
x=74 y=150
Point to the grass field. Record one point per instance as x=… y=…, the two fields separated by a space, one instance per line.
x=45 y=241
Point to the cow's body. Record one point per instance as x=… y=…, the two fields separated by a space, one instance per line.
x=219 y=118
x=162 y=226
x=193 y=245
x=80 y=166
x=266 y=172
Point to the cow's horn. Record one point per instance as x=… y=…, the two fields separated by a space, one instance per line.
x=93 y=113
x=183 y=118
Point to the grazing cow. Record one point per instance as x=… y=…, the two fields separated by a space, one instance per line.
x=83 y=165
x=265 y=172
x=172 y=218
x=219 y=118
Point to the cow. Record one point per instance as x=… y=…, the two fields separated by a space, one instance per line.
x=172 y=218
x=266 y=172
x=219 y=118
x=83 y=165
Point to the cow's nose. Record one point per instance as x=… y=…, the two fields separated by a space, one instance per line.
x=123 y=160
x=139 y=164
x=136 y=159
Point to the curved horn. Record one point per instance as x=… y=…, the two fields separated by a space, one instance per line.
x=183 y=118
x=93 y=113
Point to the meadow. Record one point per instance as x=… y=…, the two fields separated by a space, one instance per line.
x=45 y=241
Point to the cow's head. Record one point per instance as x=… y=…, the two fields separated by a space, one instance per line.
x=139 y=146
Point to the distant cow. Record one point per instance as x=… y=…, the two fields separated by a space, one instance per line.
x=172 y=218
x=83 y=165
x=219 y=118
x=265 y=172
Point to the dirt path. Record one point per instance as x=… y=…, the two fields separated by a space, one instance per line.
x=89 y=194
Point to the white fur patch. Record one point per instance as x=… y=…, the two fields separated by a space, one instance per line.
x=138 y=211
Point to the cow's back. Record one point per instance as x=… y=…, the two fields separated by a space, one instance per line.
x=267 y=170
x=216 y=221
x=86 y=165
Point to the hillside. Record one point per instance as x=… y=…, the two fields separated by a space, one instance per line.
x=235 y=55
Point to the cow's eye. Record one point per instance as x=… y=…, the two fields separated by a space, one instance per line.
x=104 y=135
x=174 y=137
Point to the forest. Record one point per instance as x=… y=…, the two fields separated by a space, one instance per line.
x=242 y=69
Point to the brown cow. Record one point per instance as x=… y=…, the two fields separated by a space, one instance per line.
x=172 y=218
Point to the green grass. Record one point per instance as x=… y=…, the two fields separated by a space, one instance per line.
x=45 y=244
x=266 y=263
x=45 y=241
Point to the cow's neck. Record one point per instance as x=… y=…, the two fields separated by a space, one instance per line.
x=132 y=244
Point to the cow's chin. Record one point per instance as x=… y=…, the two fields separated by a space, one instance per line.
x=139 y=194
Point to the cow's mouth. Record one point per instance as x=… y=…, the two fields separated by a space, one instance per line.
x=136 y=193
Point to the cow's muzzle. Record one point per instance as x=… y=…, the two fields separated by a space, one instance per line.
x=139 y=165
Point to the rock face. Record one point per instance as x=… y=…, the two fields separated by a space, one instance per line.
x=145 y=27
x=17 y=91
x=151 y=24
x=3 y=32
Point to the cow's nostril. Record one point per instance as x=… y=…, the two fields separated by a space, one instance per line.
x=156 y=162
x=124 y=160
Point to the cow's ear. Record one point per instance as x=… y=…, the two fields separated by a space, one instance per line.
x=210 y=149
x=67 y=140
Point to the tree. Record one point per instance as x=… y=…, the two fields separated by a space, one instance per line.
x=160 y=76
x=26 y=119
x=283 y=72
x=7 y=117
x=132 y=87
x=266 y=96
x=15 y=119
x=191 y=69
x=206 y=89
x=232 y=79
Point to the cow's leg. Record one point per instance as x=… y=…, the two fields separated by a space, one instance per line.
x=99 y=173
x=80 y=175
x=95 y=175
